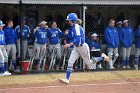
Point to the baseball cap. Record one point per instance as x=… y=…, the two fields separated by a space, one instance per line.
x=1 y=23
x=94 y=34
x=125 y=21
x=43 y=22
x=119 y=22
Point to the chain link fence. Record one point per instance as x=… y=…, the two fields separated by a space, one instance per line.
x=95 y=21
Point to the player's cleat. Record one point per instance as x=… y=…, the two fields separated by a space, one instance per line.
x=136 y=67
x=66 y=81
x=106 y=58
x=124 y=67
x=99 y=66
x=111 y=68
x=128 y=66
x=17 y=70
x=6 y=73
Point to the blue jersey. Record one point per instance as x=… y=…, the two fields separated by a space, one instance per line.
x=126 y=37
x=96 y=45
x=88 y=41
x=111 y=37
x=2 y=38
x=137 y=34
x=69 y=37
x=10 y=35
x=54 y=35
x=78 y=35
x=25 y=34
x=41 y=36
x=119 y=29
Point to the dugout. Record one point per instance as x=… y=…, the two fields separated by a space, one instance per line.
x=94 y=13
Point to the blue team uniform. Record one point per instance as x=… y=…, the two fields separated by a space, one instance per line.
x=96 y=45
x=126 y=37
x=2 y=38
x=54 y=35
x=41 y=36
x=78 y=35
x=69 y=36
x=88 y=41
x=10 y=35
x=137 y=35
x=25 y=34
x=137 y=46
x=111 y=37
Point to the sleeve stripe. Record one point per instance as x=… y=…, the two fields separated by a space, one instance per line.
x=77 y=28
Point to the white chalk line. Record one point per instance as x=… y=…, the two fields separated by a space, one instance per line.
x=81 y=85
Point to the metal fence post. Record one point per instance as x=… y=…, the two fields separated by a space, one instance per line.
x=21 y=48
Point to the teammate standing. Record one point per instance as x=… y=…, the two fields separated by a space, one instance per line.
x=126 y=38
x=3 y=53
x=137 y=47
x=112 y=40
x=119 y=28
x=10 y=39
x=80 y=47
x=54 y=35
x=41 y=39
x=25 y=35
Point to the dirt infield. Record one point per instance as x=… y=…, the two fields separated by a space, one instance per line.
x=80 y=87
x=97 y=82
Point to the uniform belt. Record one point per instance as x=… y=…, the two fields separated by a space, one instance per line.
x=79 y=45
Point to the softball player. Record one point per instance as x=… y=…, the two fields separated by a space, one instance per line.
x=95 y=51
x=112 y=40
x=10 y=39
x=54 y=34
x=137 y=47
x=80 y=47
x=25 y=35
x=41 y=39
x=126 y=38
x=3 y=53
x=95 y=48
x=119 y=60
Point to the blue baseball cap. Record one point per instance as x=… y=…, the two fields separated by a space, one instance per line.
x=1 y=23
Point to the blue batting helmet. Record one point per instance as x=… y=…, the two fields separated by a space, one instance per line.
x=72 y=17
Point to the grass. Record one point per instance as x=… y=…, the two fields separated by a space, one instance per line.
x=82 y=76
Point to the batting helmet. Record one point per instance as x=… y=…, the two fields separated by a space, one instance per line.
x=72 y=17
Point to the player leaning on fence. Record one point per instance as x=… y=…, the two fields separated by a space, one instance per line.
x=54 y=35
x=41 y=39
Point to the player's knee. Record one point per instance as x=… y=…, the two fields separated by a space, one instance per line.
x=110 y=54
x=70 y=65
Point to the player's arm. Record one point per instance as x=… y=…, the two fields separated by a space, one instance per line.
x=17 y=32
x=76 y=38
x=62 y=34
x=107 y=37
